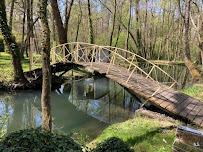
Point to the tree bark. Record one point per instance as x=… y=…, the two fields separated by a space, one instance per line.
x=193 y=71
x=79 y=21
x=128 y=27
x=62 y=33
x=28 y=27
x=113 y=25
x=91 y=33
x=23 y=31
x=46 y=70
x=12 y=46
x=11 y=14
x=67 y=16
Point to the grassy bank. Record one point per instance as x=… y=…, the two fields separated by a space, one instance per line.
x=142 y=134
x=6 y=67
x=196 y=91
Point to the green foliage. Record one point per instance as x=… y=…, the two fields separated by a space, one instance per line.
x=112 y=144
x=3 y=121
x=36 y=140
x=195 y=91
x=80 y=137
x=6 y=67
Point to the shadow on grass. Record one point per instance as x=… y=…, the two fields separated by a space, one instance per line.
x=148 y=135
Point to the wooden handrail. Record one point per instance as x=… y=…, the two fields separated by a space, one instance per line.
x=115 y=55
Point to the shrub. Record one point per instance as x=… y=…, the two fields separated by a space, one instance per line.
x=36 y=140
x=112 y=144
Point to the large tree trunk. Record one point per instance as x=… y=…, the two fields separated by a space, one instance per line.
x=12 y=45
x=46 y=70
x=91 y=33
x=193 y=71
x=62 y=34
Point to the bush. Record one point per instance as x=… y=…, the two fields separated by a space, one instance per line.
x=112 y=144
x=36 y=140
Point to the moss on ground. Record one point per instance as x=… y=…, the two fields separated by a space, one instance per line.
x=142 y=134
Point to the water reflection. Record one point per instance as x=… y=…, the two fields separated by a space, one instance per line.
x=179 y=73
x=90 y=104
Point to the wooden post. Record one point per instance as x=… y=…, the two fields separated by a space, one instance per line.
x=93 y=53
x=131 y=74
x=64 y=54
x=99 y=54
x=31 y=53
x=54 y=53
x=112 y=61
x=114 y=57
x=150 y=71
x=131 y=62
x=77 y=51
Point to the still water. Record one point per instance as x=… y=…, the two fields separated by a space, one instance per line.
x=88 y=105
x=179 y=73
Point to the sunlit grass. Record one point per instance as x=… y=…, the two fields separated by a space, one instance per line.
x=195 y=91
x=142 y=134
x=6 y=67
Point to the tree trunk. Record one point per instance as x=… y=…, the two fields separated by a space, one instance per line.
x=128 y=28
x=91 y=34
x=28 y=27
x=46 y=70
x=67 y=15
x=79 y=21
x=12 y=46
x=138 y=32
x=114 y=19
x=62 y=34
x=23 y=31
x=193 y=71
x=11 y=14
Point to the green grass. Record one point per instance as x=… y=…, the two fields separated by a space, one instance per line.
x=195 y=91
x=6 y=67
x=142 y=134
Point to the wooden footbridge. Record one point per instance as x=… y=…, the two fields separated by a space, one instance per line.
x=126 y=68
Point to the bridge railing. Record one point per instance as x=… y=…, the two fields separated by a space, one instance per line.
x=85 y=52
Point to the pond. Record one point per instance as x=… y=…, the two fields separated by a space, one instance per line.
x=89 y=106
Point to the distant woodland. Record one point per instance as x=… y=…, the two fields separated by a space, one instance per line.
x=155 y=29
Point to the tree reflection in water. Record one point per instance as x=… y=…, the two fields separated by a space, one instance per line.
x=90 y=104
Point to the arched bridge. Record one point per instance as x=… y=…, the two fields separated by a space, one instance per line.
x=129 y=70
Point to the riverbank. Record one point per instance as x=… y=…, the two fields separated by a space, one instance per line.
x=143 y=134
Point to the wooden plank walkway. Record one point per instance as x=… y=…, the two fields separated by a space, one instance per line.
x=166 y=98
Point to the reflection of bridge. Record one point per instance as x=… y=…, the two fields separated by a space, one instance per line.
x=122 y=66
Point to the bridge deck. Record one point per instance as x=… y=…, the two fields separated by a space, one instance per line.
x=166 y=98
